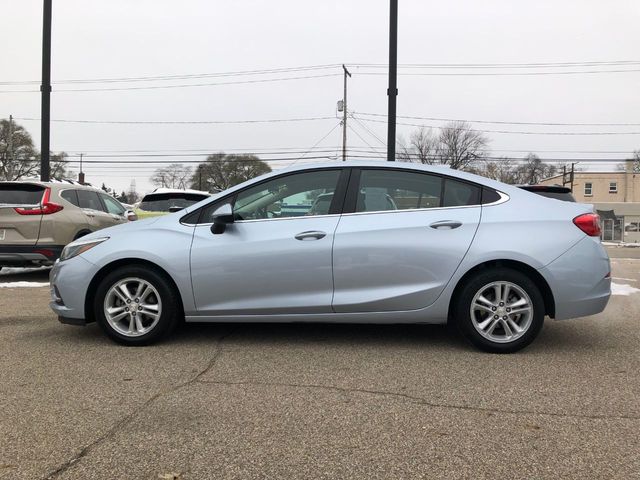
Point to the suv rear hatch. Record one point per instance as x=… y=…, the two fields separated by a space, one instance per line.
x=20 y=212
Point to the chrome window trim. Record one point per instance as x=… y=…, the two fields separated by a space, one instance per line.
x=267 y=219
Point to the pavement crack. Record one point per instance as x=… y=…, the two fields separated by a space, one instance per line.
x=128 y=418
x=422 y=401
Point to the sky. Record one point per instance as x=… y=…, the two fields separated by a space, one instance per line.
x=118 y=39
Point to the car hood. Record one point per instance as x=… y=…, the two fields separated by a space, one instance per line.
x=125 y=227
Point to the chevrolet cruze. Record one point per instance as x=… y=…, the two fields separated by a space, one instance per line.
x=396 y=243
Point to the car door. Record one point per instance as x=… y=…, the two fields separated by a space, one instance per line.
x=276 y=256
x=90 y=203
x=115 y=211
x=401 y=238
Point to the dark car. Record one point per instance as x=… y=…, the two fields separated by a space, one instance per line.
x=551 y=191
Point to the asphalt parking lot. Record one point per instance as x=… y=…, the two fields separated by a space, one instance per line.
x=318 y=401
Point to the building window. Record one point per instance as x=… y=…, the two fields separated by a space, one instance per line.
x=588 y=187
x=613 y=187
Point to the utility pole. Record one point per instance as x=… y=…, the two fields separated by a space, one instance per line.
x=344 y=115
x=81 y=174
x=45 y=88
x=392 y=91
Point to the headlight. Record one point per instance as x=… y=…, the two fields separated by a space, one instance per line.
x=80 y=246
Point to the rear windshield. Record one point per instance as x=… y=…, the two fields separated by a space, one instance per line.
x=20 y=194
x=162 y=202
x=565 y=197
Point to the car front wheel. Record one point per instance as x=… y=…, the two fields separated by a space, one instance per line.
x=136 y=305
x=499 y=310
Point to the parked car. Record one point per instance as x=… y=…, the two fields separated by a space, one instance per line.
x=488 y=257
x=37 y=219
x=166 y=200
x=550 y=191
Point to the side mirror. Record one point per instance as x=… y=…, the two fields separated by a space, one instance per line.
x=175 y=209
x=221 y=217
x=131 y=215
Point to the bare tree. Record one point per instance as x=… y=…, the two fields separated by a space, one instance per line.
x=501 y=170
x=459 y=146
x=533 y=170
x=422 y=147
x=174 y=175
x=23 y=160
x=221 y=171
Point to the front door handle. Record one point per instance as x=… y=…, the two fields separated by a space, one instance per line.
x=310 y=235
x=446 y=224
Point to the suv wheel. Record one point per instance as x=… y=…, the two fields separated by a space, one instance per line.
x=500 y=310
x=136 y=306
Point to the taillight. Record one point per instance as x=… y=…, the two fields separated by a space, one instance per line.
x=45 y=208
x=589 y=223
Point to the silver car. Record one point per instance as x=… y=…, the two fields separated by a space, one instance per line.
x=450 y=247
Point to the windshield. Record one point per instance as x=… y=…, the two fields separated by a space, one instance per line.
x=162 y=202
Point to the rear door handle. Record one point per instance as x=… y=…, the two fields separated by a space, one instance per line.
x=446 y=224
x=310 y=235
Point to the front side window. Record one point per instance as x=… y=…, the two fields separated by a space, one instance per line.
x=297 y=195
x=112 y=205
x=588 y=188
x=613 y=187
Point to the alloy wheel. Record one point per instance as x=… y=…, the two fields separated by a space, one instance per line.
x=132 y=307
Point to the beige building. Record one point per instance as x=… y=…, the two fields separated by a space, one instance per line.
x=615 y=196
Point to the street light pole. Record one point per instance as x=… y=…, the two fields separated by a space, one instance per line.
x=45 y=88
x=344 y=115
x=392 y=91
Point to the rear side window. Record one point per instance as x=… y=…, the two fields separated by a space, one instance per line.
x=489 y=196
x=382 y=190
x=70 y=196
x=89 y=199
x=20 y=194
x=162 y=202
x=459 y=194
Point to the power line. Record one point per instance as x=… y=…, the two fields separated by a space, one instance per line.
x=184 y=85
x=512 y=132
x=504 y=122
x=502 y=74
x=182 y=122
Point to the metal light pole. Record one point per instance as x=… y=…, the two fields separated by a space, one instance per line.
x=392 y=91
x=45 y=88
x=344 y=115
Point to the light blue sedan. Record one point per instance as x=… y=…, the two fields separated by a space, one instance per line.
x=397 y=243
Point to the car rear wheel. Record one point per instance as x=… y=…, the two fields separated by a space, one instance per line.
x=499 y=310
x=136 y=306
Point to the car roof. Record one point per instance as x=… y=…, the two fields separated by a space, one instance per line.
x=56 y=184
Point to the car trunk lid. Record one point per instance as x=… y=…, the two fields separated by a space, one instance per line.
x=17 y=229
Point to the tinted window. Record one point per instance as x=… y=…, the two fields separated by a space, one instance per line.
x=162 y=202
x=70 y=196
x=566 y=197
x=112 y=205
x=298 y=195
x=459 y=194
x=17 y=194
x=89 y=199
x=381 y=190
x=489 y=196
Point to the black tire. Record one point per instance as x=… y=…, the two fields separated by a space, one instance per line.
x=463 y=302
x=170 y=314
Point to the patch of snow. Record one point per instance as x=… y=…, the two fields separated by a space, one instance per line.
x=23 y=284
x=13 y=270
x=623 y=289
x=627 y=279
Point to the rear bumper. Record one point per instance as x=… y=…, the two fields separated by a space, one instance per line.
x=580 y=280
x=22 y=255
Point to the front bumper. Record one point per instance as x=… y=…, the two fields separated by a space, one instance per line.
x=69 y=282
x=27 y=255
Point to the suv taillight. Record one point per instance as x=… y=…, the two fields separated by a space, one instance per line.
x=45 y=208
x=589 y=223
